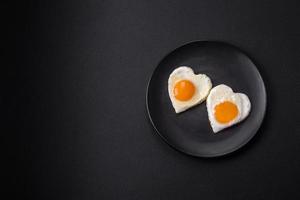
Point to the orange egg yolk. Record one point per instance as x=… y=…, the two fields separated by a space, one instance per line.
x=184 y=90
x=225 y=112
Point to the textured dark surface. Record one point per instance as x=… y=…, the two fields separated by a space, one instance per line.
x=190 y=131
x=77 y=100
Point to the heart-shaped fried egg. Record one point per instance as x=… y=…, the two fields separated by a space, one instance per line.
x=187 y=89
x=226 y=108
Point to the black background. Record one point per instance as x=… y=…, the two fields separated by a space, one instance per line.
x=76 y=100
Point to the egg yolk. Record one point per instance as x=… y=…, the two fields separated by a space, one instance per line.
x=225 y=112
x=184 y=90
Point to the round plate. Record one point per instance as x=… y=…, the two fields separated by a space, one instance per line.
x=190 y=131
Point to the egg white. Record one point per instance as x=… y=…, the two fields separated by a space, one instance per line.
x=223 y=93
x=201 y=82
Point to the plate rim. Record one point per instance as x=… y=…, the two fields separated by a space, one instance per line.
x=230 y=151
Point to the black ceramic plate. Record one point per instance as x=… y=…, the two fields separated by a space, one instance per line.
x=190 y=131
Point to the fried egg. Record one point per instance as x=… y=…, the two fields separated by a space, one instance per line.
x=226 y=108
x=187 y=89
